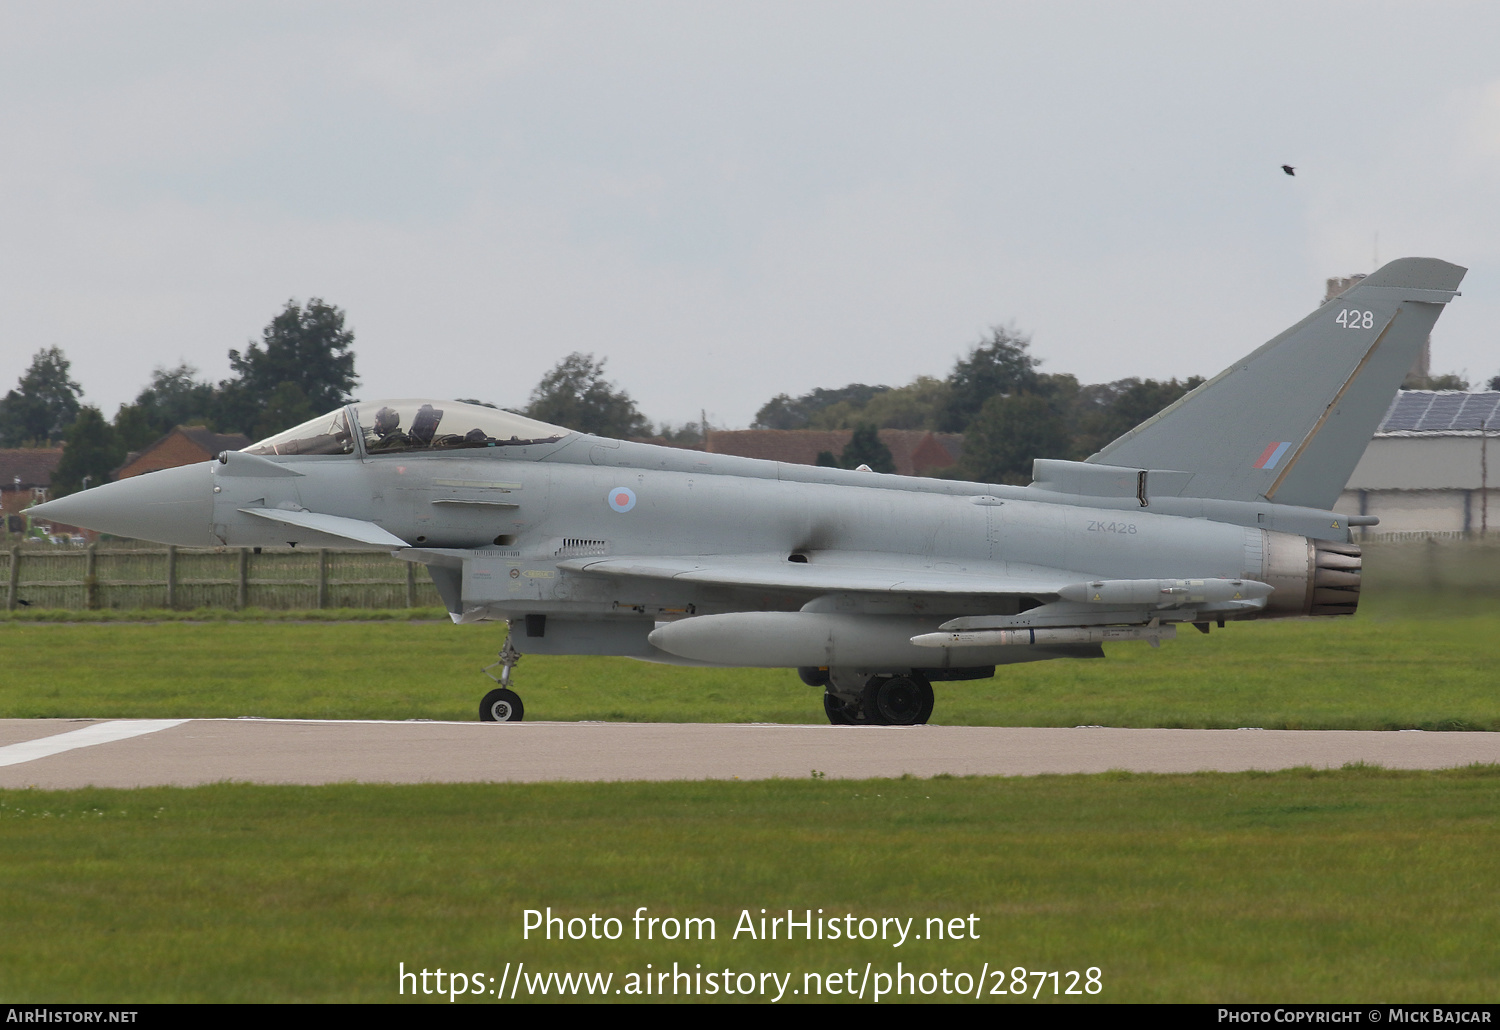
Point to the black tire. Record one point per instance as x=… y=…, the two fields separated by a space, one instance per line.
x=897 y=700
x=836 y=710
x=501 y=705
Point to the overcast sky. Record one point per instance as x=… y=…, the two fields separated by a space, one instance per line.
x=730 y=201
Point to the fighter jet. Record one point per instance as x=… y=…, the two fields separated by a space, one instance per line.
x=872 y=586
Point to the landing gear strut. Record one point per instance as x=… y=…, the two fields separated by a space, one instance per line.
x=504 y=704
x=883 y=700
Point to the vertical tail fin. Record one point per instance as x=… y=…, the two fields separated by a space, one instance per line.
x=1289 y=421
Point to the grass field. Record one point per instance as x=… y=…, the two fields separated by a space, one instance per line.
x=1349 y=885
x=1415 y=662
x=1355 y=885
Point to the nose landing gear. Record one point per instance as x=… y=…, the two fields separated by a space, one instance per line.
x=502 y=704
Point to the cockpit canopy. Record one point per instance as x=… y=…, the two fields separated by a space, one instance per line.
x=404 y=426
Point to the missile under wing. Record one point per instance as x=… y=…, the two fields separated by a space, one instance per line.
x=872 y=586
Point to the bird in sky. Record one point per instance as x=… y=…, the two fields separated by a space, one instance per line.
x=1289 y=170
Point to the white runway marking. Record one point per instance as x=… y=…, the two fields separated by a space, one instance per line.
x=88 y=736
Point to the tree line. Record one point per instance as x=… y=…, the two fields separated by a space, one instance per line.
x=1008 y=411
x=302 y=366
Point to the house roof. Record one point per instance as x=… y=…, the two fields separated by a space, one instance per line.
x=802 y=446
x=182 y=446
x=33 y=464
x=213 y=443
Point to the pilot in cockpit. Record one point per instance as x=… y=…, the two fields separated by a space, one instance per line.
x=388 y=435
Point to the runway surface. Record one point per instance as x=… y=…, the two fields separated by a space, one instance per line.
x=62 y=753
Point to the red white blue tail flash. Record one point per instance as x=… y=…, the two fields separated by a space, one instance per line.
x=1272 y=455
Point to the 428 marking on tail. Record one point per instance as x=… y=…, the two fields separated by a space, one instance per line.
x=1351 y=318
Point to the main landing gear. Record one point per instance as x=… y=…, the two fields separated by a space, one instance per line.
x=903 y=699
x=502 y=704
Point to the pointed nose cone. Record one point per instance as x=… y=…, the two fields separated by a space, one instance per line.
x=173 y=506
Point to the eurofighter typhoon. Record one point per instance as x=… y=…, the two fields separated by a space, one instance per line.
x=871 y=586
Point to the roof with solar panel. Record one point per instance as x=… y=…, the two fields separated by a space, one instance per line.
x=1441 y=412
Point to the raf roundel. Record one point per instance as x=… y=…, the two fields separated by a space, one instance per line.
x=621 y=499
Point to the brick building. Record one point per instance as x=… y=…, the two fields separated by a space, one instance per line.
x=184 y=445
x=26 y=473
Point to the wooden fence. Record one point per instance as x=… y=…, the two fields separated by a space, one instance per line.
x=104 y=576
x=48 y=576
